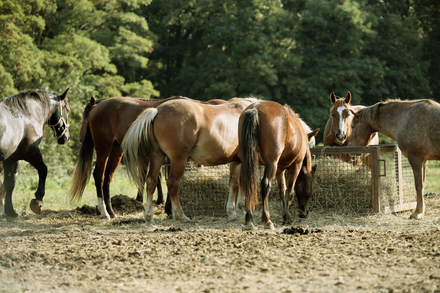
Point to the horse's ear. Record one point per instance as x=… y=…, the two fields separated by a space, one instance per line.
x=64 y=95
x=348 y=98
x=313 y=133
x=314 y=168
x=92 y=101
x=333 y=97
x=354 y=113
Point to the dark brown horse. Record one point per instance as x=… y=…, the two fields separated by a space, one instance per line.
x=413 y=125
x=104 y=125
x=22 y=118
x=181 y=130
x=272 y=135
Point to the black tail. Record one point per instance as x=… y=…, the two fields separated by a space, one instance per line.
x=83 y=167
x=249 y=150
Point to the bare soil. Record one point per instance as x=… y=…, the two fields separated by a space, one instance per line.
x=330 y=251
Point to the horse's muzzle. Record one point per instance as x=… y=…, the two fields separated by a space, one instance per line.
x=340 y=138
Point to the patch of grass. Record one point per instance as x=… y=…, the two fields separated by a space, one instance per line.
x=58 y=184
x=432 y=182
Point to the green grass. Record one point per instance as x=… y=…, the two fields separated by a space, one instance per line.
x=58 y=184
x=59 y=181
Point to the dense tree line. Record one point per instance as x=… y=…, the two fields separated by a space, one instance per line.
x=290 y=51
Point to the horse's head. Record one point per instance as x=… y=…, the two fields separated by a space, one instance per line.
x=58 y=119
x=361 y=131
x=304 y=189
x=85 y=121
x=340 y=116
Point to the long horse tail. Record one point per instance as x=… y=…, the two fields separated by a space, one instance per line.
x=83 y=167
x=249 y=150
x=136 y=146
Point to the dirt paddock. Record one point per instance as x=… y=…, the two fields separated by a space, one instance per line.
x=75 y=251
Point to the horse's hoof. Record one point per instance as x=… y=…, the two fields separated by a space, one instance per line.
x=36 y=206
x=416 y=216
x=248 y=227
x=185 y=219
x=269 y=226
x=232 y=215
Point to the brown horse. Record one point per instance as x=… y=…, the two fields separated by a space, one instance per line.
x=413 y=125
x=104 y=125
x=337 y=131
x=181 y=130
x=272 y=135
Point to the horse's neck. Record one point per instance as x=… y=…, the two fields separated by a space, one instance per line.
x=386 y=123
x=39 y=112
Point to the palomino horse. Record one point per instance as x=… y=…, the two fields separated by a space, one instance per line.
x=272 y=135
x=104 y=125
x=181 y=130
x=413 y=125
x=22 y=118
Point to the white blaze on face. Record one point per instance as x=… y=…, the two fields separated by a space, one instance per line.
x=341 y=121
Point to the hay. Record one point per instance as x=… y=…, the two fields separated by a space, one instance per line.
x=341 y=185
x=204 y=188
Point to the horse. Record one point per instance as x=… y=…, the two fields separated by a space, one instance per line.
x=105 y=123
x=22 y=120
x=413 y=125
x=181 y=130
x=337 y=131
x=272 y=135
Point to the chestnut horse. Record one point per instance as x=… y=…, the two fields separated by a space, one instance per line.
x=182 y=130
x=413 y=125
x=272 y=135
x=22 y=119
x=337 y=131
x=104 y=125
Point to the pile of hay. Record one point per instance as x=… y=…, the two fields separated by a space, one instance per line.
x=204 y=189
x=344 y=186
x=339 y=186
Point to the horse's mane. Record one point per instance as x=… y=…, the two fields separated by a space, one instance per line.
x=18 y=101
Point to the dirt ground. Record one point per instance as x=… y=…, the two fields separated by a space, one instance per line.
x=75 y=251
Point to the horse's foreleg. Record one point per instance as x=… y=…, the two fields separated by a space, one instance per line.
x=177 y=169
x=36 y=160
x=293 y=172
x=282 y=187
x=419 y=166
x=266 y=182
x=232 y=205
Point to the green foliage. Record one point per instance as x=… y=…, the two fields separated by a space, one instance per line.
x=293 y=52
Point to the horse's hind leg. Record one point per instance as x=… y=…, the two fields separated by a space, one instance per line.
x=266 y=182
x=98 y=175
x=10 y=175
x=177 y=169
x=112 y=164
x=419 y=167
